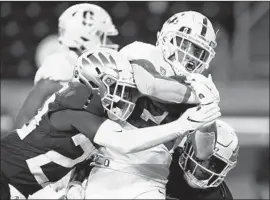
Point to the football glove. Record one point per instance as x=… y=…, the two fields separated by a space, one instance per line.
x=204 y=88
x=198 y=117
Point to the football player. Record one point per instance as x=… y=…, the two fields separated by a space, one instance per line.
x=196 y=176
x=82 y=26
x=118 y=175
x=184 y=49
x=60 y=136
x=185 y=46
x=148 y=66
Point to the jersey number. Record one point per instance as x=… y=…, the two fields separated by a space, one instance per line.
x=37 y=162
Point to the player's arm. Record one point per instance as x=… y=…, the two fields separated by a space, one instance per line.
x=130 y=141
x=110 y=134
x=35 y=99
x=150 y=83
x=54 y=69
x=77 y=120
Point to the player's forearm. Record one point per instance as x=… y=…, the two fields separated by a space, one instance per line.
x=130 y=141
x=35 y=99
x=172 y=92
x=21 y=119
x=162 y=88
x=27 y=111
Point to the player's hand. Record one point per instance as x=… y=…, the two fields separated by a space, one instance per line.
x=199 y=116
x=204 y=88
x=75 y=191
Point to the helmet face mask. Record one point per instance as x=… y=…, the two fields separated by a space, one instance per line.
x=187 y=42
x=192 y=57
x=107 y=42
x=109 y=73
x=212 y=171
x=118 y=100
x=203 y=173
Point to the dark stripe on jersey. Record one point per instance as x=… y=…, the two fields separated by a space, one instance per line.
x=204 y=27
x=147 y=65
x=187 y=95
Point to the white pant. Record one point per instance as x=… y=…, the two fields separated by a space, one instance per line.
x=110 y=184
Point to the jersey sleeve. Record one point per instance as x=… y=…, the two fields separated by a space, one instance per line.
x=55 y=67
x=78 y=121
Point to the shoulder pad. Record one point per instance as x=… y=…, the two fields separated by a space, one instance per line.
x=138 y=50
x=149 y=52
x=56 y=67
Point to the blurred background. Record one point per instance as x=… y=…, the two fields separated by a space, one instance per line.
x=240 y=68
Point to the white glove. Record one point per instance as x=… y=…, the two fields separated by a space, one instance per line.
x=204 y=88
x=75 y=191
x=199 y=116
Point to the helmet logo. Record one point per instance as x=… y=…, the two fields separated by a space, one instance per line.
x=185 y=30
x=87 y=17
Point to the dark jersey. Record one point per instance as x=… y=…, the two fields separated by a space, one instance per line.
x=54 y=141
x=148 y=112
x=177 y=187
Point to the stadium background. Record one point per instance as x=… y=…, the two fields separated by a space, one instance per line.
x=240 y=69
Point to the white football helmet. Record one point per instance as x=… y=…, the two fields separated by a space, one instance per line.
x=109 y=73
x=187 y=41
x=85 y=26
x=211 y=172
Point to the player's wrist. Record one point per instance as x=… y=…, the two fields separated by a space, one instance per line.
x=181 y=127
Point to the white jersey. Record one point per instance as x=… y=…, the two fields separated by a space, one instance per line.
x=58 y=66
x=129 y=176
x=140 y=50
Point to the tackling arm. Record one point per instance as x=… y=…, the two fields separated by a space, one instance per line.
x=111 y=134
x=77 y=120
x=150 y=83
x=35 y=99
